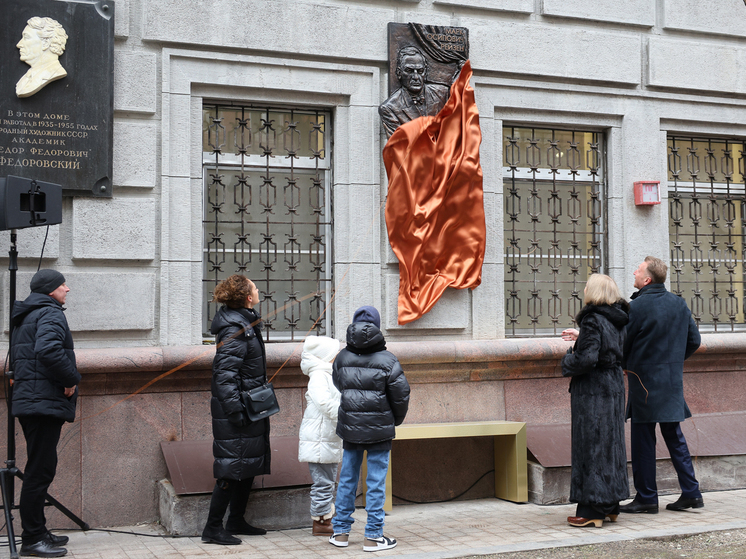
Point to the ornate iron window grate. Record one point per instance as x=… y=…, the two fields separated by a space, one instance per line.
x=707 y=204
x=554 y=225
x=267 y=213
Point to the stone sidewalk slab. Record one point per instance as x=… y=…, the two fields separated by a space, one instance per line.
x=432 y=531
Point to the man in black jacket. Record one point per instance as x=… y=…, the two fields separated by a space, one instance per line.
x=44 y=397
x=661 y=334
x=374 y=399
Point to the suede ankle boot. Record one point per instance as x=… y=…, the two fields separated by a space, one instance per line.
x=322 y=527
x=214 y=531
x=244 y=528
x=219 y=536
x=236 y=524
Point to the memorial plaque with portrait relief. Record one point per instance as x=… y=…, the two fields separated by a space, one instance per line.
x=57 y=93
x=446 y=49
x=424 y=60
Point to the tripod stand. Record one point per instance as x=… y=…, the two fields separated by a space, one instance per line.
x=7 y=474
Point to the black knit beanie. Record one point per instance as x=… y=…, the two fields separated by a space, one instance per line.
x=45 y=281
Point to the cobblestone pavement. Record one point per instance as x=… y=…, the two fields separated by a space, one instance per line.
x=443 y=530
x=723 y=544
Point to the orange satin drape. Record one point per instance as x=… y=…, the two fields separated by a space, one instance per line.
x=435 y=210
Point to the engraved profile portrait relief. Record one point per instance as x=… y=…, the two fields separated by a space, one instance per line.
x=416 y=97
x=41 y=45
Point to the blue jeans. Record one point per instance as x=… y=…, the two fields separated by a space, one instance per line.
x=378 y=465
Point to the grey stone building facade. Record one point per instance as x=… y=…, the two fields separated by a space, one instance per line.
x=578 y=101
x=634 y=75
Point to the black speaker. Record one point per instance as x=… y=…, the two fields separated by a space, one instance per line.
x=29 y=203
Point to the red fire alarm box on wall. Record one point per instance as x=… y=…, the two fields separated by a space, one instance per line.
x=647 y=193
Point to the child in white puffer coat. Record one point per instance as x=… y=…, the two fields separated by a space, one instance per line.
x=319 y=444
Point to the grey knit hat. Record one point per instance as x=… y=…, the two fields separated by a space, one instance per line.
x=45 y=281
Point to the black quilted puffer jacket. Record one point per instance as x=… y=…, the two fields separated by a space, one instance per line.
x=43 y=359
x=375 y=392
x=240 y=364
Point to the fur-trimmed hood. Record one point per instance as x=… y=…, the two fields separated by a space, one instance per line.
x=617 y=314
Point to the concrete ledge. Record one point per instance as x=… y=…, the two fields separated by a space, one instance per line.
x=551 y=486
x=548 y=486
x=272 y=509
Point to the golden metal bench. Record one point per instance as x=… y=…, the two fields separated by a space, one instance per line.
x=511 y=477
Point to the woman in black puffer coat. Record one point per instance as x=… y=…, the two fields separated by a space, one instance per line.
x=599 y=458
x=240 y=446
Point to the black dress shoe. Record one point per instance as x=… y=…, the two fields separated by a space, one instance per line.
x=42 y=548
x=686 y=503
x=57 y=540
x=635 y=506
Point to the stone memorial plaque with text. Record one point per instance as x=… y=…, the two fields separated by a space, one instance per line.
x=57 y=93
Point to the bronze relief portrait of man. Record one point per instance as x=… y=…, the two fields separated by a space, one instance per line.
x=41 y=45
x=434 y=203
x=416 y=97
x=424 y=62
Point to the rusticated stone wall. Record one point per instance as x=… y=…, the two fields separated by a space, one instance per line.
x=132 y=399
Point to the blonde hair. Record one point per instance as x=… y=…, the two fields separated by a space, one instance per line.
x=601 y=290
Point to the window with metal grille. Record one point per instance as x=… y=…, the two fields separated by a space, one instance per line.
x=554 y=225
x=707 y=204
x=267 y=213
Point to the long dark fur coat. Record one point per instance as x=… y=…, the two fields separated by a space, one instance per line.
x=599 y=458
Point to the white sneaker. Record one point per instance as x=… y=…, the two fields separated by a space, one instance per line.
x=379 y=544
x=339 y=540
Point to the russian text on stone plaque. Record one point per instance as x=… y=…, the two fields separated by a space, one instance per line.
x=57 y=93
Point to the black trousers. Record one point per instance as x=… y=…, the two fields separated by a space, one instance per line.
x=643 y=460
x=42 y=434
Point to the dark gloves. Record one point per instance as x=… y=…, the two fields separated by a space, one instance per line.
x=237 y=419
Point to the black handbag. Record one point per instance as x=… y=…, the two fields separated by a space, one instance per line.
x=260 y=402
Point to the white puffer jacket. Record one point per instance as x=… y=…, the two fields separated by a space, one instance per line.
x=319 y=442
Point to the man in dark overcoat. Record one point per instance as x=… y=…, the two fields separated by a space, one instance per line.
x=661 y=334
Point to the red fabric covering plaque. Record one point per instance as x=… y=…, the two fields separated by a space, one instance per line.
x=435 y=209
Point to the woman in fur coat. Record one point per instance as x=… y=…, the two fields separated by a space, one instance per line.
x=319 y=444
x=599 y=459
